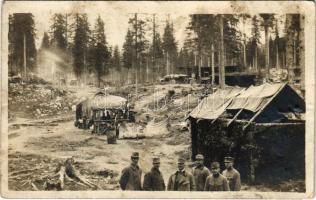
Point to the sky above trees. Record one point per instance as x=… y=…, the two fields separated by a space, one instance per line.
x=116 y=24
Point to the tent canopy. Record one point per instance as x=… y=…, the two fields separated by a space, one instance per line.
x=215 y=104
x=255 y=97
x=267 y=99
x=101 y=100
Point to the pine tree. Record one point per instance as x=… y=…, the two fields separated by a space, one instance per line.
x=169 y=46
x=205 y=40
x=267 y=22
x=232 y=40
x=127 y=55
x=255 y=41
x=138 y=31
x=45 y=42
x=156 y=52
x=128 y=48
x=80 y=46
x=59 y=31
x=244 y=18
x=116 y=58
x=22 y=28
x=100 y=50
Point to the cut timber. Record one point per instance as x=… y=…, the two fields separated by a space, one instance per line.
x=34 y=187
x=23 y=171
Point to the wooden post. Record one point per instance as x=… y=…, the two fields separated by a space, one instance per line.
x=235 y=117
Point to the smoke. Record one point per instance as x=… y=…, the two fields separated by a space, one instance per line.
x=52 y=66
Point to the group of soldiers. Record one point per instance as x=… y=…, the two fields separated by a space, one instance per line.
x=201 y=178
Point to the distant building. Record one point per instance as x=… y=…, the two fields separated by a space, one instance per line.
x=233 y=75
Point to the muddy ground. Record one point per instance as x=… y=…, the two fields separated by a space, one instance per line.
x=38 y=144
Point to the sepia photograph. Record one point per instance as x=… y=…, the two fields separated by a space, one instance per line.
x=187 y=99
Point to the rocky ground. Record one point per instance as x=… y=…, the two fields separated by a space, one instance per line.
x=42 y=134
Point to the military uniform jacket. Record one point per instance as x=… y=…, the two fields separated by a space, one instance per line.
x=131 y=178
x=181 y=181
x=153 y=181
x=200 y=174
x=233 y=178
x=219 y=183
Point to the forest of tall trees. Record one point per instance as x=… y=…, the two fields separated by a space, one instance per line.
x=149 y=52
x=22 y=51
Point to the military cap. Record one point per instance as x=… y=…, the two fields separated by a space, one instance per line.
x=228 y=159
x=215 y=165
x=135 y=155
x=181 y=160
x=156 y=160
x=199 y=157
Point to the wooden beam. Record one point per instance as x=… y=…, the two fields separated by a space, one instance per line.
x=261 y=109
x=235 y=117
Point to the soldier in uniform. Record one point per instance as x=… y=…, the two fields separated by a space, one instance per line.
x=131 y=175
x=216 y=181
x=181 y=180
x=232 y=174
x=153 y=180
x=200 y=172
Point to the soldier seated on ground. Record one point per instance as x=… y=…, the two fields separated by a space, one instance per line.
x=72 y=173
x=66 y=171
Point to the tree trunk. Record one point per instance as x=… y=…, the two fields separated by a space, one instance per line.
x=277 y=57
x=24 y=56
x=213 y=67
x=256 y=58
x=266 y=33
x=302 y=51
x=222 y=64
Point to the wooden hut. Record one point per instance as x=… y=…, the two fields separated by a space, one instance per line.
x=263 y=127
